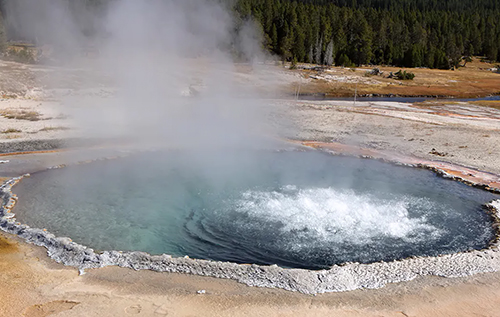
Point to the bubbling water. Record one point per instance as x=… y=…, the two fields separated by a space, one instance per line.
x=331 y=216
x=295 y=209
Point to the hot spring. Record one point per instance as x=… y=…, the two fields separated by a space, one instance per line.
x=296 y=209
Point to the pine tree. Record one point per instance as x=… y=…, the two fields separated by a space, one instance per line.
x=318 y=50
x=344 y=61
x=3 y=35
x=329 y=54
x=361 y=50
x=274 y=38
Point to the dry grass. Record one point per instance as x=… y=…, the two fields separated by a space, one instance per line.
x=474 y=80
x=11 y=130
x=47 y=129
x=12 y=136
x=21 y=114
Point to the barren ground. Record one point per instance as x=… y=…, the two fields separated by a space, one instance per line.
x=461 y=133
x=32 y=285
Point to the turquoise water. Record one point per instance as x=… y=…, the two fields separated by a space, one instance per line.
x=291 y=208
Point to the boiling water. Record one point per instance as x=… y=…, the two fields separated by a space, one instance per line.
x=294 y=209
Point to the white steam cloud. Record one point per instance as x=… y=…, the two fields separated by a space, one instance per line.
x=171 y=65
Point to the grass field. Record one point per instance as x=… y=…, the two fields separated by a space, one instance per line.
x=473 y=80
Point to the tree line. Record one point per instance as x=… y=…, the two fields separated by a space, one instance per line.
x=408 y=33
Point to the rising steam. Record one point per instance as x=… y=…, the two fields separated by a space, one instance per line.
x=170 y=64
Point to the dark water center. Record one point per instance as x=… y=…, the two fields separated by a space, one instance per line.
x=291 y=208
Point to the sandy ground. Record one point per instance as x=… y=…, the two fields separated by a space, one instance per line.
x=466 y=134
x=32 y=285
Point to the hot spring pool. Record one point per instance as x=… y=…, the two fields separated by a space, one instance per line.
x=291 y=208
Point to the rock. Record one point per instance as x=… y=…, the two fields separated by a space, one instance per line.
x=434 y=152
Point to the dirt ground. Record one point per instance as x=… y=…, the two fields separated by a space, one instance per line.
x=460 y=133
x=32 y=285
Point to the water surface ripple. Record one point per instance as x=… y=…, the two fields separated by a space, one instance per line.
x=295 y=209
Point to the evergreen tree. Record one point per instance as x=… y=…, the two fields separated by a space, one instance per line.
x=329 y=54
x=361 y=40
x=344 y=61
x=273 y=39
x=403 y=33
x=409 y=33
x=310 y=55
x=317 y=50
x=3 y=35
